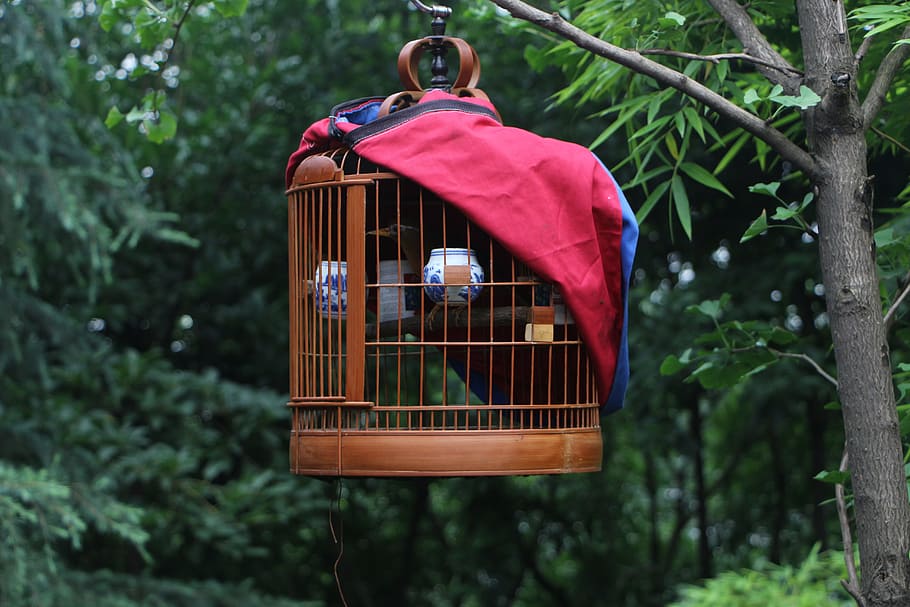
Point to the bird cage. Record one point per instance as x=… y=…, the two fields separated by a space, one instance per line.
x=420 y=344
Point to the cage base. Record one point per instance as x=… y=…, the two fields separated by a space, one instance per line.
x=446 y=453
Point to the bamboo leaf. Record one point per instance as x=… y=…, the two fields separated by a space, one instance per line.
x=670 y=141
x=651 y=200
x=695 y=121
x=703 y=177
x=732 y=152
x=681 y=204
x=648 y=175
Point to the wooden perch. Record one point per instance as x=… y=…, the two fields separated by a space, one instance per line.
x=456 y=316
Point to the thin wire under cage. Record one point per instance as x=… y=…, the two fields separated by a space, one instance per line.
x=419 y=345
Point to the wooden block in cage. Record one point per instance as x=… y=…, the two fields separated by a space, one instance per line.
x=541 y=326
x=543 y=315
x=538 y=332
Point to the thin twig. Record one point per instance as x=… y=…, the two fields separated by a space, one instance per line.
x=888 y=137
x=891 y=314
x=717 y=58
x=177 y=27
x=809 y=360
x=754 y=42
x=338 y=539
x=851 y=584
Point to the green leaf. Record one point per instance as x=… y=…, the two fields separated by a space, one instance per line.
x=680 y=121
x=136 y=114
x=671 y=145
x=109 y=16
x=781 y=336
x=671 y=365
x=651 y=126
x=178 y=237
x=647 y=176
x=904 y=418
x=712 y=375
x=769 y=189
x=114 y=117
x=162 y=129
x=785 y=213
x=751 y=97
x=835 y=477
x=694 y=121
x=732 y=152
x=758 y=226
x=230 y=8
x=722 y=69
x=672 y=18
x=806 y=98
x=681 y=204
x=712 y=308
x=885 y=237
x=833 y=406
x=703 y=177
x=651 y=200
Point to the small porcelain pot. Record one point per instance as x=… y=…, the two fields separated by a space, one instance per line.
x=438 y=288
x=331 y=289
x=396 y=302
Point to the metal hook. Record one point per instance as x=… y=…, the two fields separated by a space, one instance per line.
x=437 y=11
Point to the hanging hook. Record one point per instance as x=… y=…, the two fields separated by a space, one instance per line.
x=437 y=11
x=436 y=42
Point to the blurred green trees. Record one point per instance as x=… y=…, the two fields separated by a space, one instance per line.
x=143 y=357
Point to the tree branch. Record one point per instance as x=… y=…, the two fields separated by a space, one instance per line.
x=178 y=26
x=667 y=77
x=851 y=584
x=861 y=51
x=887 y=70
x=755 y=44
x=808 y=359
x=888 y=137
x=715 y=59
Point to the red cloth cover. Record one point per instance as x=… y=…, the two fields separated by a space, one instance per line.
x=552 y=204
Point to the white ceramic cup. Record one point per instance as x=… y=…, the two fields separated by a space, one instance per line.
x=331 y=289
x=394 y=302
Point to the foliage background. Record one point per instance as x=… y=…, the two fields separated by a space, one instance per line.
x=143 y=363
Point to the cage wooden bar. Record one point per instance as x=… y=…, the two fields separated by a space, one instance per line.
x=394 y=373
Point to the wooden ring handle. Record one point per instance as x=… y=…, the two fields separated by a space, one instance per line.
x=409 y=59
x=398 y=101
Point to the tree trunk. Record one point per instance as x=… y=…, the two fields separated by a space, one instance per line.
x=864 y=377
x=847 y=256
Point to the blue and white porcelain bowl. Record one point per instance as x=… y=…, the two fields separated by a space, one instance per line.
x=434 y=276
x=331 y=289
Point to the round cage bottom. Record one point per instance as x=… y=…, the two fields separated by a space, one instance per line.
x=445 y=453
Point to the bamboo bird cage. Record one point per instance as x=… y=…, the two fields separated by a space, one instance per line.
x=395 y=371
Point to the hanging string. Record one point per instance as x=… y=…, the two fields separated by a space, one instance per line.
x=339 y=537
